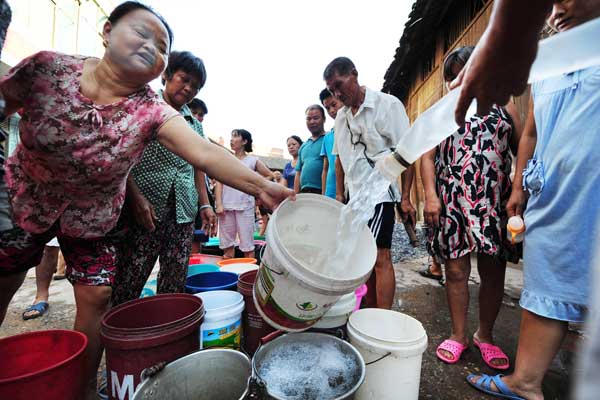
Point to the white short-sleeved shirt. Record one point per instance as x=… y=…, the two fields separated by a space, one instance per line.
x=368 y=135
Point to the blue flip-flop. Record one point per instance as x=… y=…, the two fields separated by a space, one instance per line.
x=484 y=384
x=39 y=308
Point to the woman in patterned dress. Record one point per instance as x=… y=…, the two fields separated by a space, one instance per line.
x=467 y=183
x=86 y=123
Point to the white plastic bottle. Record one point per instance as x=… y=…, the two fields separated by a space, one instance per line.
x=515 y=229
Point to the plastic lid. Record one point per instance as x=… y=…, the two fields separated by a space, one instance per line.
x=516 y=224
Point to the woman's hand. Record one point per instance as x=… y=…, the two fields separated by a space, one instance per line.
x=432 y=211
x=408 y=212
x=209 y=221
x=516 y=203
x=143 y=212
x=219 y=209
x=271 y=194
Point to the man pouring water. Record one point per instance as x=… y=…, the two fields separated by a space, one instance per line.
x=367 y=128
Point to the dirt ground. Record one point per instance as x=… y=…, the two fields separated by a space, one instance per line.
x=419 y=297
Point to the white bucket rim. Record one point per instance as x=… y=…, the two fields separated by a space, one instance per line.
x=233 y=306
x=239 y=268
x=345 y=305
x=314 y=277
x=385 y=349
x=386 y=341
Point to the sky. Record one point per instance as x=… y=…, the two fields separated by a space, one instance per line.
x=265 y=58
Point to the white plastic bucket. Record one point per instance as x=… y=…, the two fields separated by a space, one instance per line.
x=222 y=325
x=239 y=268
x=293 y=289
x=392 y=345
x=338 y=314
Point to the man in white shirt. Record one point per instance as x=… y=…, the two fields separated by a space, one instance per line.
x=366 y=129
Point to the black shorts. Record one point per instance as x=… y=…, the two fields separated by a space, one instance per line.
x=311 y=190
x=382 y=225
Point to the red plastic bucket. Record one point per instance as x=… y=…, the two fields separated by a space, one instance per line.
x=144 y=332
x=254 y=326
x=204 y=258
x=42 y=364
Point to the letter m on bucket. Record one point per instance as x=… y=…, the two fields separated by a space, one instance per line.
x=122 y=390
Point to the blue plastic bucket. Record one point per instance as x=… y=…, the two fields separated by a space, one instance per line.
x=214 y=241
x=196 y=269
x=211 y=281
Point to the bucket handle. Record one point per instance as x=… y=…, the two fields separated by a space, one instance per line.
x=256 y=389
x=379 y=359
x=151 y=371
x=262 y=263
x=273 y=335
x=262 y=252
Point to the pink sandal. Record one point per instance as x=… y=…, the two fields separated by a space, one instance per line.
x=491 y=352
x=453 y=347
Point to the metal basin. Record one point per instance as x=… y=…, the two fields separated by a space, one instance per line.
x=351 y=382
x=205 y=375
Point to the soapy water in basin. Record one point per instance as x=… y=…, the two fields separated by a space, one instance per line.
x=309 y=371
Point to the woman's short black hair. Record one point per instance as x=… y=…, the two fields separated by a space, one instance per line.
x=295 y=138
x=457 y=57
x=197 y=104
x=188 y=63
x=126 y=7
x=244 y=134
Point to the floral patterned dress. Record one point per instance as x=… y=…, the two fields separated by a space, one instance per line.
x=473 y=184
x=71 y=165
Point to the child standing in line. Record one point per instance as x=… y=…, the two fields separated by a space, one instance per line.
x=235 y=209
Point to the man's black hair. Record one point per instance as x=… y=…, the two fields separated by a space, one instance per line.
x=341 y=65
x=315 y=107
x=325 y=94
x=197 y=104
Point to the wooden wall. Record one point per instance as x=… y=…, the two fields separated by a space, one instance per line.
x=425 y=91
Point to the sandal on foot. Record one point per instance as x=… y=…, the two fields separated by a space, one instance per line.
x=36 y=310
x=484 y=384
x=453 y=347
x=426 y=272
x=491 y=352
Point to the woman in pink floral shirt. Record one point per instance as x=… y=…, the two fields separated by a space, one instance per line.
x=85 y=124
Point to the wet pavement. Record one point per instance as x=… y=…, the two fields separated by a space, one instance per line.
x=422 y=298
x=425 y=299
